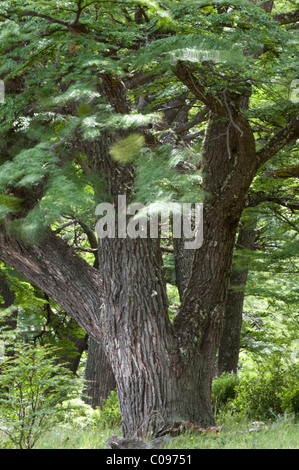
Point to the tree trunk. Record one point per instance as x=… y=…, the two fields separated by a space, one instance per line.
x=72 y=358
x=163 y=370
x=137 y=331
x=229 y=164
x=228 y=355
x=183 y=260
x=10 y=320
x=98 y=375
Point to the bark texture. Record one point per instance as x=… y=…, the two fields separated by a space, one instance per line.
x=63 y=275
x=229 y=164
x=98 y=375
x=229 y=347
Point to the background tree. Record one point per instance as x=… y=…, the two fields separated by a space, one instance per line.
x=113 y=99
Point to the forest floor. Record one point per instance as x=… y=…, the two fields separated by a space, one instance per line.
x=233 y=434
x=281 y=434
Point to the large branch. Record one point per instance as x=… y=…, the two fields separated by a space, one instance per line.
x=62 y=274
x=200 y=117
x=71 y=24
x=287 y=18
x=282 y=138
x=199 y=90
x=290 y=202
x=44 y=16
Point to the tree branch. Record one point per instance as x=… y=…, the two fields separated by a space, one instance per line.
x=69 y=24
x=287 y=18
x=201 y=92
x=289 y=172
x=200 y=117
x=61 y=273
x=290 y=202
x=46 y=17
x=78 y=13
x=283 y=137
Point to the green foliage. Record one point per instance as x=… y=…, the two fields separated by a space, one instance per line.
x=173 y=299
x=79 y=414
x=110 y=414
x=224 y=390
x=31 y=385
x=127 y=149
x=58 y=102
x=268 y=389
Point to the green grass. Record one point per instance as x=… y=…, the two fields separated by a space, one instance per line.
x=63 y=437
x=281 y=434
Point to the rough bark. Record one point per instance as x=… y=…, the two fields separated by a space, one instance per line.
x=137 y=330
x=229 y=347
x=229 y=164
x=98 y=375
x=183 y=260
x=62 y=274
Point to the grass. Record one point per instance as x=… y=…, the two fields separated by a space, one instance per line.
x=63 y=437
x=281 y=434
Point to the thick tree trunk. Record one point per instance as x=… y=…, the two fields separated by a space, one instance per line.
x=72 y=358
x=229 y=164
x=163 y=370
x=10 y=320
x=137 y=330
x=98 y=375
x=229 y=347
x=155 y=385
x=183 y=260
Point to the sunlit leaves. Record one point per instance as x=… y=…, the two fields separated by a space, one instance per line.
x=128 y=148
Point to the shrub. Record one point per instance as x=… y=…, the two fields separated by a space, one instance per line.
x=110 y=415
x=290 y=391
x=81 y=415
x=223 y=391
x=31 y=385
x=77 y=413
x=270 y=392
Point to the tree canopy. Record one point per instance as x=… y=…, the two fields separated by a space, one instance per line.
x=163 y=102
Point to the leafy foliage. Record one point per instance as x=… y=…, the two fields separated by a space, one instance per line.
x=31 y=385
x=76 y=412
x=52 y=92
x=224 y=391
x=269 y=389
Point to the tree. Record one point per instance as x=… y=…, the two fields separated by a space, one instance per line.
x=229 y=344
x=113 y=99
x=31 y=385
x=99 y=377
